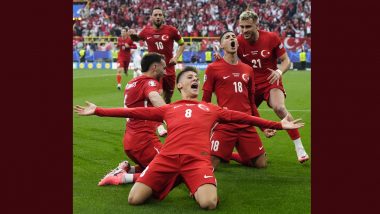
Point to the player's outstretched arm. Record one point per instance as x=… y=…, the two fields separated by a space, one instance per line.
x=288 y=124
x=142 y=113
x=239 y=117
x=87 y=110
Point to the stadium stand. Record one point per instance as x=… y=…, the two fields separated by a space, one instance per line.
x=97 y=24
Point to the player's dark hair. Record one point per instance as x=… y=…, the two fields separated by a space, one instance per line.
x=186 y=69
x=221 y=36
x=158 y=8
x=150 y=58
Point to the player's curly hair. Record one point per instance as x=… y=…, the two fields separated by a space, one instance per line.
x=249 y=14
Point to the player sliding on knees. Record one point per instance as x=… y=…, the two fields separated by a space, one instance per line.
x=185 y=154
x=141 y=144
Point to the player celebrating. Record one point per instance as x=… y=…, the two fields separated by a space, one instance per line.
x=186 y=153
x=125 y=44
x=234 y=86
x=160 y=39
x=141 y=143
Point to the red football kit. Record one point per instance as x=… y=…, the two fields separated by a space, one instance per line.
x=161 y=41
x=261 y=55
x=186 y=152
x=234 y=87
x=124 y=55
x=141 y=143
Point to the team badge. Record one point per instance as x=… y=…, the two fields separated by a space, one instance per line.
x=152 y=83
x=203 y=107
x=265 y=53
x=164 y=37
x=245 y=77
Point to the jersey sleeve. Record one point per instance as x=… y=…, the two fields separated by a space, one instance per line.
x=176 y=34
x=209 y=82
x=230 y=116
x=142 y=35
x=278 y=46
x=131 y=44
x=151 y=85
x=142 y=113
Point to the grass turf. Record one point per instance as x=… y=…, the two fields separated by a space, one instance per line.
x=284 y=187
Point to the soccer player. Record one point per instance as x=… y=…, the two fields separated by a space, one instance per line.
x=125 y=44
x=234 y=86
x=186 y=152
x=160 y=39
x=261 y=50
x=141 y=143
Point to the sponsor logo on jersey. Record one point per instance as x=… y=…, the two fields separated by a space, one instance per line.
x=244 y=55
x=208 y=176
x=225 y=77
x=152 y=83
x=254 y=52
x=190 y=104
x=177 y=106
x=203 y=107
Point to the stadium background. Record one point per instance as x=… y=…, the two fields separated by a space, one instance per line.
x=97 y=24
x=284 y=187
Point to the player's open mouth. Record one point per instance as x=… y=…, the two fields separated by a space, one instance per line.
x=194 y=85
x=233 y=44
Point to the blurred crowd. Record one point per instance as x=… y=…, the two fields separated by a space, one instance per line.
x=205 y=18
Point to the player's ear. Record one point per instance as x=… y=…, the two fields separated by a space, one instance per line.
x=179 y=86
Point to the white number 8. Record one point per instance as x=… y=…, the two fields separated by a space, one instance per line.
x=188 y=113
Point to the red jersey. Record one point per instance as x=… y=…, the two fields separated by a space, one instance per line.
x=136 y=95
x=161 y=40
x=126 y=53
x=232 y=84
x=189 y=124
x=262 y=54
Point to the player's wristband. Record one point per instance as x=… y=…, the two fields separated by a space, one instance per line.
x=279 y=71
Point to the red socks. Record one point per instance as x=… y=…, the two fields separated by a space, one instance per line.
x=294 y=134
x=118 y=78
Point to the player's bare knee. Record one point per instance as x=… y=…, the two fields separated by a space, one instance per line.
x=261 y=164
x=133 y=200
x=209 y=203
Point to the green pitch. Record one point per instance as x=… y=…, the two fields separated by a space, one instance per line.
x=284 y=187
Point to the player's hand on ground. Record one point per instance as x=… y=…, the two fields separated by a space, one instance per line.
x=89 y=109
x=275 y=76
x=173 y=61
x=269 y=133
x=287 y=124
